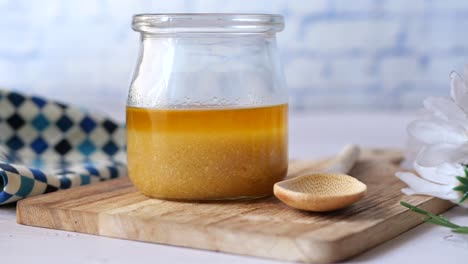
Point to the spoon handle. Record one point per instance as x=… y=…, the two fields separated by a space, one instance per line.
x=344 y=161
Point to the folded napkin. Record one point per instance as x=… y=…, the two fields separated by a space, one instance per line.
x=46 y=146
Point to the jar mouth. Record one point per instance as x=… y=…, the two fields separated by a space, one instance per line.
x=207 y=23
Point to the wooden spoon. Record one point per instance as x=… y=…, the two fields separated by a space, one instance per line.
x=327 y=189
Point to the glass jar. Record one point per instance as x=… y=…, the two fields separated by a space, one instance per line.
x=207 y=107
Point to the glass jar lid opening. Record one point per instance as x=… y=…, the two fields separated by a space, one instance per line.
x=207 y=23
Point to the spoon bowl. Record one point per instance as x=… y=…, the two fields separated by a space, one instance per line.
x=320 y=192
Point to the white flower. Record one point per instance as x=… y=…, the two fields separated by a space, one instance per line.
x=437 y=181
x=438 y=145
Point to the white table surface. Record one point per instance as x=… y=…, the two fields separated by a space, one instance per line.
x=311 y=135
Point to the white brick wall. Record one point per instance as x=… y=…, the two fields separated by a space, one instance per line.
x=439 y=35
x=396 y=70
x=342 y=36
x=405 y=6
x=305 y=8
x=450 y=5
x=341 y=6
x=338 y=54
x=353 y=71
x=298 y=68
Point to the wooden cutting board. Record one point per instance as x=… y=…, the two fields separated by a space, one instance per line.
x=264 y=227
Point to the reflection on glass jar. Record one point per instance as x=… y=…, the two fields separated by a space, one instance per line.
x=207 y=108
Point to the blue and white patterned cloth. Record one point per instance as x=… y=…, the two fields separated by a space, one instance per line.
x=46 y=146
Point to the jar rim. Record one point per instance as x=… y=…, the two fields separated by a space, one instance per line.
x=207 y=23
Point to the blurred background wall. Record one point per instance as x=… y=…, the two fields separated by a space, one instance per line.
x=338 y=54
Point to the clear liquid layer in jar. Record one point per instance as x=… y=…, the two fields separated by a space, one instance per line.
x=204 y=154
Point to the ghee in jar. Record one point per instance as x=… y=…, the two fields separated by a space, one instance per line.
x=211 y=153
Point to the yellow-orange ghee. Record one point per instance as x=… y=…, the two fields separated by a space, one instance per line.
x=200 y=154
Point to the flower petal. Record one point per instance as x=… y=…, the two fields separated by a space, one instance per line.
x=437 y=154
x=417 y=185
x=413 y=146
x=445 y=108
x=443 y=174
x=459 y=91
x=452 y=170
x=437 y=131
x=465 y=74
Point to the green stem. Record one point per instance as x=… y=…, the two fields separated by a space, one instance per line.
x=461 y=230
x=436 y=219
